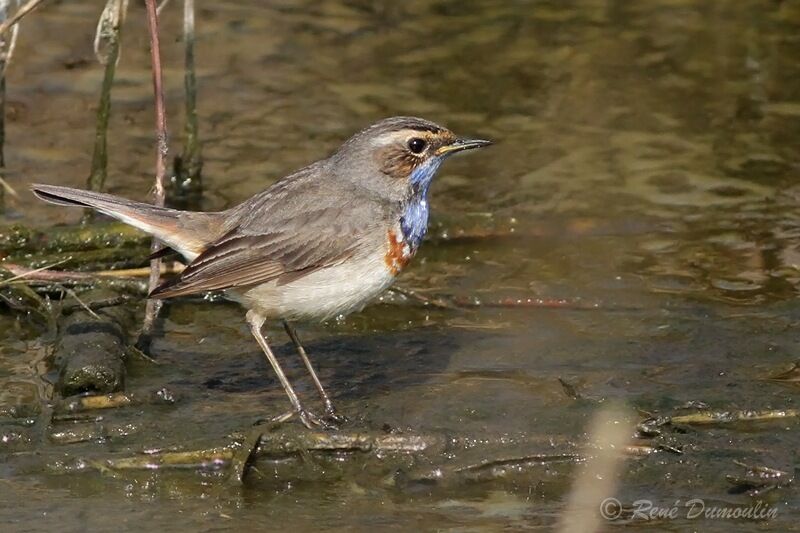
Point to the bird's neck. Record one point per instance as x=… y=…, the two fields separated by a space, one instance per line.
x=414 y=221
x=414 y=215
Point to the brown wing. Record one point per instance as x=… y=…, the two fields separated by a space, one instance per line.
x=241 y=260
x=301 y=224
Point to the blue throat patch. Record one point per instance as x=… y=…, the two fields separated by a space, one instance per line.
x=414 y=220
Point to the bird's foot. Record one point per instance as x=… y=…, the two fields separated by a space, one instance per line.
x=331 y=420
x=334 y=417
x=313 y=421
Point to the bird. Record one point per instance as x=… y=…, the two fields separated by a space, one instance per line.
x=318 y=243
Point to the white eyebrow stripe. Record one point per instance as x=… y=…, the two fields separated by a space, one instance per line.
x=393 y=137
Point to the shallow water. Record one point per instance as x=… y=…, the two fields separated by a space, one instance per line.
x=645 y=168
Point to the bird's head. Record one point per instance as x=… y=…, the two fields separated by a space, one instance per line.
x=403 y=153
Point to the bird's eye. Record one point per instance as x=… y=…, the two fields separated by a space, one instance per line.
x=416 y=145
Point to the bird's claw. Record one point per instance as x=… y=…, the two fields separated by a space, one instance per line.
x=331 y=421
x=335 y=418
x=313 y=421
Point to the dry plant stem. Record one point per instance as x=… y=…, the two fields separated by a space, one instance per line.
x=4 y=5
x=192 y=149
x=99 y=171
x=24 y=273
x=153 y=306
x=21 y=12
x=187 y=182
x=2 y=134
x=161 y=6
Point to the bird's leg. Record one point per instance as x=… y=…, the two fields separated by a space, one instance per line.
x=256 y=321
x=330 y=412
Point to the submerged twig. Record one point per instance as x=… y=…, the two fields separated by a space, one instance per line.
x=242 y=459
x=275 y=445
x=547 y=303
x=730 y=417
x=69 y=407
x=214 y=458
x=288 y=449
x=20 y=297
x=83 y=305
x=758 y=480
x=153 y=306
x=26 y=273
x=650 y=427
x=451 y=303
x=434 y=301
x=792 y=375
x=94 y=306
x=97 y=401
x=75 y=433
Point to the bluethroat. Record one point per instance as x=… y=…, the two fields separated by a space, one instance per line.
x=318 y=243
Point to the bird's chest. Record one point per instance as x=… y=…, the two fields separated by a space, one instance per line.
x=405 y=236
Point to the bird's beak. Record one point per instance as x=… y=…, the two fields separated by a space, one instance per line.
x=462 y=144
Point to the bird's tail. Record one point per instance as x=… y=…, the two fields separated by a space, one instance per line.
x=186 y=232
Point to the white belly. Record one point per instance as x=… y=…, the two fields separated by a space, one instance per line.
x=322 y=294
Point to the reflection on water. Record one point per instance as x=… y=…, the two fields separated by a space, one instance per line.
x=646 y=160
